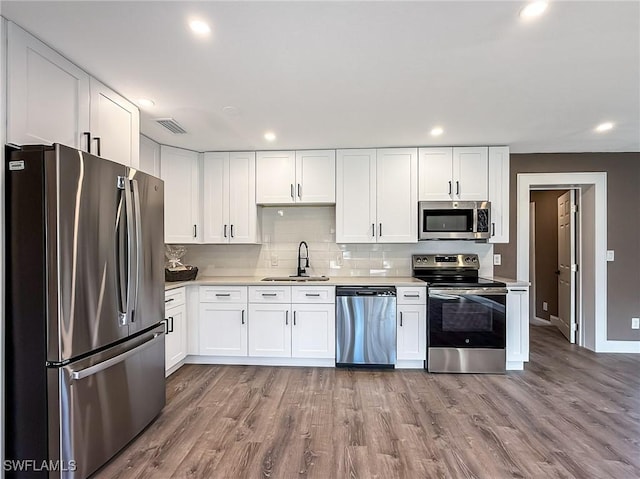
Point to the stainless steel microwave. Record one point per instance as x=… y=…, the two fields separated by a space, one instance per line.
x=454 y=220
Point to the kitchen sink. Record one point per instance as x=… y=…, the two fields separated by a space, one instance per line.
x=296 y=278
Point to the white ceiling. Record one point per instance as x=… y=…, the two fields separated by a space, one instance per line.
x=362 y=74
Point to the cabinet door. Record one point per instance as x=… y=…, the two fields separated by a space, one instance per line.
x=215 y=191
x=270 y=330
x=176 y=336
x=471 y=173
x=397 y=195
x=223 y=329
x=435 y=170
x=313 y=332
x=47 y=96
x=115 y=126
x=517 y=324
x=499 y=193
x=149 y=156
x=179 y=170
x=275 y=177
x=243 y=214
x=412 y=332
x=315 y=176
x=356 y=196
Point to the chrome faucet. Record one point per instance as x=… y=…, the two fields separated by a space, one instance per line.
x=302 y=270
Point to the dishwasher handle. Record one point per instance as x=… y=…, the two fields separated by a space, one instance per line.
x=388 y=291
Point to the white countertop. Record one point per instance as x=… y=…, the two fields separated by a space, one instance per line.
x=335 y=281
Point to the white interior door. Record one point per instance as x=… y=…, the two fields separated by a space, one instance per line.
x=567 y=266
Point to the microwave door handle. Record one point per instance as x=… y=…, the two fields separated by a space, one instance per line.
x=138 y=231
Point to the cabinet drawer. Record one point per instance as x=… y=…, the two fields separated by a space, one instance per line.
x=269 y=294
x=174 y=297
x=313 y=294
x=223 y=294
x=411 y=295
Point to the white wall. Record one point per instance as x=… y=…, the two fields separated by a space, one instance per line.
x=284 y=227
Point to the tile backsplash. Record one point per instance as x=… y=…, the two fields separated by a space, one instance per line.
x=284 y=227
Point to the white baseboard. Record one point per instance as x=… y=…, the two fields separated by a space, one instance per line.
x=515 y=366
x=409 y=364
x=609 y=346
x=255 y=361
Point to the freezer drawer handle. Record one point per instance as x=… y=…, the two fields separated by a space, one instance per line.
x=90 y=371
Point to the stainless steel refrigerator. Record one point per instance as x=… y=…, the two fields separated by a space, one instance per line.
x=84 y=362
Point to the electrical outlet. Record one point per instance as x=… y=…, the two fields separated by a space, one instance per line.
x=545 y=306
x=611 y=255
x=635 y=323
x=274 y=260
x=339 y=259
x=497 y=259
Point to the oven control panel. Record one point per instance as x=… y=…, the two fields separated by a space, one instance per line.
x=445 y=261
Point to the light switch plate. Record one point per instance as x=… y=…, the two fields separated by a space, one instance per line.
x=497 y=259
x=610 y=255
x=635 y=323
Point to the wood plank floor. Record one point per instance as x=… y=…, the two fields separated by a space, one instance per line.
x=572 y=413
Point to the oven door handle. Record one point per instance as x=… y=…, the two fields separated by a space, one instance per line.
x=448 y=292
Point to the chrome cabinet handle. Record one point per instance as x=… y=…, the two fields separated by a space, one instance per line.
x=223 y=295
x=195 y=231
x=400 y=318
x=169 y=300
x=411 y=295
x=315 y=295
x=243 y=316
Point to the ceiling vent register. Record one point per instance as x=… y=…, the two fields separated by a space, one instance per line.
x=172 y=125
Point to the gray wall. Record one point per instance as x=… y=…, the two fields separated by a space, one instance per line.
x=546 y=250
x=623 y=228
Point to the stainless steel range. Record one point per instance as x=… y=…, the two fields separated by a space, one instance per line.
x=466 y=315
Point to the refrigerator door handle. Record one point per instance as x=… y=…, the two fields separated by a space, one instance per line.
x=96 y=368
x=128 y=201
x=120 y=255
x=138 y=243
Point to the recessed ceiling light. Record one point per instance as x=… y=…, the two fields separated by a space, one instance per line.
x=199 y=27
x=437 y=131
x=269 y=136
x=146 y=103
x=533 y=9
x=602 y=127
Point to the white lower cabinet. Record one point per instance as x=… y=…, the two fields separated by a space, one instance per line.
x=517 y=327
x=270 y=330
x=313 y=333
x=175 y=319
x=223 y=329
x=411 y=318
x=222 y=321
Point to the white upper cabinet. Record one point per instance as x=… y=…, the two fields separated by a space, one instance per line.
x=356 y=196
x=397 y=195
x=115 y=126
x=315 y=176
x=51 y=100
x=499 y=193
x=180 y=171
x=276 y=175
x=449 y=174
x=376 y=196
x=230 y=213
x=290 y=177
x=48 y=96
x=149 y=156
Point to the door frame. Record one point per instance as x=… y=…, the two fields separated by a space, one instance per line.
x=593 y=201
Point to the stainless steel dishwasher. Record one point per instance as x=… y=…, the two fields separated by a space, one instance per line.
x=366 y=326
